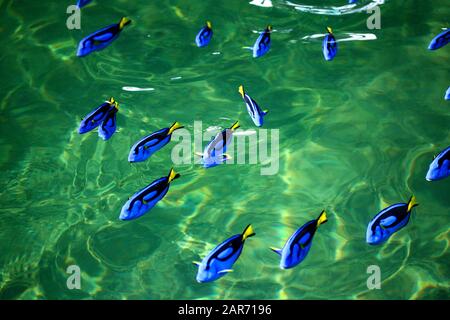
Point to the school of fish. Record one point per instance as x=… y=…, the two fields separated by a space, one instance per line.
x=220 y=260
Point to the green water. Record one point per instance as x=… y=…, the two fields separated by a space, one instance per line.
x=356 y=134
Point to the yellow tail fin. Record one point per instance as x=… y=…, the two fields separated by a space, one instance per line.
x=123 y=22
x=241 y=90
x=235 y=126
x=322 y=218
x=329 y=30
x=269 y=27
x=248 y=232
x=173 y=175
x=412 y=203
x=174 y=127
x=208 y=24
x=111 y=101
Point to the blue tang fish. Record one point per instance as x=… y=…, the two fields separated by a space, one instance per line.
x=440 y=40
x=352 y=1
x=297 y=247
x=253 y=109
x=262 y=44
x=101 y=38
x=440 y=167
x=82 y=3
x=388 y=221
x=329 y=45
x=144 y=148
x=220 y=260
x=447 y=94
x=214 y=153
x=97 y=116
x=144 y=200
x=204 y=35
x=108 y=127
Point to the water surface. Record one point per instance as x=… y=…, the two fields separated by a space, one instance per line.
x=356 y=134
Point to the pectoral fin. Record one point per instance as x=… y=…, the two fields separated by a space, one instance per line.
x=385 y=223
x=103 y=37
x=226 y=271
x=304 y=239
x=277 y=251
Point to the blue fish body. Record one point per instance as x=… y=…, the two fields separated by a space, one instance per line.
x=82 y=3
x=222 y=258
x=262 y=44
x=440 y=40
x=144 y=148
x=147 y=146
x=253 y=109
x=218 y=145
x=204 y=35
x=440 y=167
x=96 y=117
x=145 y=199
x=352 y=1
x=214 y=152
x=388 y=221
x=329 y=46
x=108 y=127
x=447 y=94
x=298 y=245
x=101 y=38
